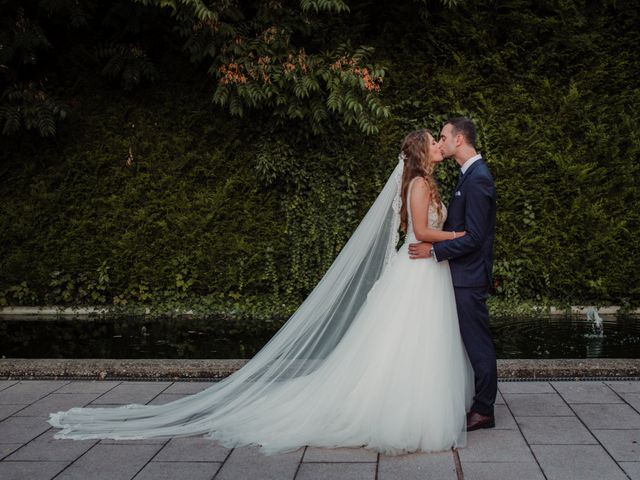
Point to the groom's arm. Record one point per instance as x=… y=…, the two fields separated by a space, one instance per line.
x=479 y=204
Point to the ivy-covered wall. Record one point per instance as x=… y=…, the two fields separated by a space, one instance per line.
x=157 y=197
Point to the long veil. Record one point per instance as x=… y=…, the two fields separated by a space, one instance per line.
x=306 y=339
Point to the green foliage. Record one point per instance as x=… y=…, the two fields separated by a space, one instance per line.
x=324 y=6
x=129 y=64
x=310 y=88
x=294 y=61
x=19 y=294
x=87 y=288
x=41 y=39
x=23 y=40
x=278 y=58
x=24 y=104
x=30 y=108
x=161 y=201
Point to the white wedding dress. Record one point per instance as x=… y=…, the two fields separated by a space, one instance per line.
x=397 y=381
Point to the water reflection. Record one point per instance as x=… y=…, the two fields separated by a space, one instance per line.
x=139 y=337
x=567 y=337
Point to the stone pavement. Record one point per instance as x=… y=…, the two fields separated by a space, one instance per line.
x=545 y=430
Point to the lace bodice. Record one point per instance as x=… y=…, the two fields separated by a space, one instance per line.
x=432 y=217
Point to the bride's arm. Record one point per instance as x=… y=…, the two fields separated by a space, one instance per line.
x=419 y=204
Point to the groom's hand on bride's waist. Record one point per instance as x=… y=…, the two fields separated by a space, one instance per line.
x=420 y=250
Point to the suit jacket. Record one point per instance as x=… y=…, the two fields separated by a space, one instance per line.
x=472 y=209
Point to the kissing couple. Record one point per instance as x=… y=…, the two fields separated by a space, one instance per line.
x=391 y=351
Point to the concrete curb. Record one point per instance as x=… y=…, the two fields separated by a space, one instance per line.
x=216 y=369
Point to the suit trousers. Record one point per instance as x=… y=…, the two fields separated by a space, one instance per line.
x=473 y=317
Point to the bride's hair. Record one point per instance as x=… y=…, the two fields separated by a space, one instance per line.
x=418 y=164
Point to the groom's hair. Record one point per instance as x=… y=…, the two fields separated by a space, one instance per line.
x=464 y=126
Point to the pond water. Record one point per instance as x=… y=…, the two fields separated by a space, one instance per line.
x=190 y=338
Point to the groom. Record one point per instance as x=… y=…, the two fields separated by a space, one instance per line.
x=473 y=209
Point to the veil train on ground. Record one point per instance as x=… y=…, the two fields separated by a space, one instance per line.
x=296 y=350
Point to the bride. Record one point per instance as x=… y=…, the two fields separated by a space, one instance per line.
x=372 y=358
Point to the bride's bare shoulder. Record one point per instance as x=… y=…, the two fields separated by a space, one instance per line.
x=419 y=184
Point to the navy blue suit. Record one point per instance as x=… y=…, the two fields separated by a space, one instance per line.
x=473 y=209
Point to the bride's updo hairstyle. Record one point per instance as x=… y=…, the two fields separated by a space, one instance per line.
x=417 y=163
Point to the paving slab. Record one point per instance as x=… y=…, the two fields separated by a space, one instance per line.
x=9 y=409
x=417 y=466
x=178 y=470
x=144 y=441
x=608 y=416
x=622 y=445
x=30 y=470
x=633 y=399
x=632 y=469
x=502 y=471
x=316 y=454
x=7 y=383
x=537 y=404
x=491 y=445
x=504 y=419
x=336 y=471
x=7 y=449
x=553 y=422
x=110 y=462
x=192 y=449
x=586 y=392
x=167 y=398
x=132 y=392
x=55 y=402
x=555 y=431
x=104 y=405
x=248 y=462
x=525 y=387
x=89 y=386
x=47 y=449
x=577 y=462
x=189 y=387
x=624 y=387
x=28 y=391
x=22 y=429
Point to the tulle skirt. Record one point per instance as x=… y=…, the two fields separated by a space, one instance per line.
x=398 y=381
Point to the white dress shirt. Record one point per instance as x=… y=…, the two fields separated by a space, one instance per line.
x=465 y=166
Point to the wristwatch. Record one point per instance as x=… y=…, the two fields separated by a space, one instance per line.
x=432 y=252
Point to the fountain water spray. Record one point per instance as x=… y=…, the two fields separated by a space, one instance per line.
x=596 y=321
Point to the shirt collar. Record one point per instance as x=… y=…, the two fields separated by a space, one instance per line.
x=468 y=163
